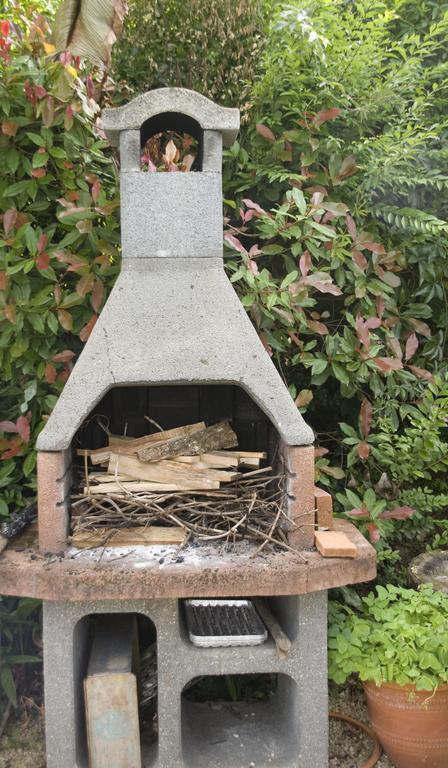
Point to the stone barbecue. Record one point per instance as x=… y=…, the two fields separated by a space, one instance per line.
x=174 y=342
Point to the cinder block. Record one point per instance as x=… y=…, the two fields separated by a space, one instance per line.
x=297 y=725
x=53 y=488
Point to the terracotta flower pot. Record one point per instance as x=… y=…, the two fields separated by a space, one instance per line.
x=411 y=725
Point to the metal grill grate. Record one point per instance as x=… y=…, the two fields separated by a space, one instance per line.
x=224 y=622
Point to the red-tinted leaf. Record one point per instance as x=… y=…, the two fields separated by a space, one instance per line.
x=16 y=446
x=8 y=426
x=50 y=373
x=373 y=247
x=9 y=128
x=365 y=416
x=97 y=295
x=23 y=428
x=88 y=328
x=395 y=346
x=380 y=306
x=96 y=189
x=305 y=263
x=421 y=373
x=4 y=27
x=317 y=327
x=387 y=364
x=359 y=512
x=304 y=398
x=64 y=357
x=265 y=132
x=10 y=313
x=359 y=259
x=363 y=450
x=411 y=346
x=4 y=281
x=43 y=261
x=398 y=513
x=324 y=115
x=420 y=326
x=253 y=266
x=351 y=226
x=318 y=452
x=372 y=323
x=42 y=242
x=374 y=533
x=85 y=285
x=38 y=173
x=326 y=287
x=234 y=242
x=254 y=207
x=348 y=167
x=65 y=319
x=9 y=220
x=362 y=331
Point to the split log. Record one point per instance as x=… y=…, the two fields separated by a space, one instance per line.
x=133 y=444
x=162 y=471
x=216 y=437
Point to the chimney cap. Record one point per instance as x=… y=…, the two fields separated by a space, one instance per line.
x=210 y=116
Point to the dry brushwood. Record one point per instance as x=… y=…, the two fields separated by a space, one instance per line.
x=252 y=507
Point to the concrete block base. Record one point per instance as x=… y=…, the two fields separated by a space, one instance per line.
x=290 y=730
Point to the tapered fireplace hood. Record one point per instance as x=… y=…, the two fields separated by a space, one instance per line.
x=172 y=317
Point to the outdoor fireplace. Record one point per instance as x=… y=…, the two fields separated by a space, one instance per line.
x=174 y=344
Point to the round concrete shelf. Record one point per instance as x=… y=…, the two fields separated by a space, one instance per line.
x=431 y=568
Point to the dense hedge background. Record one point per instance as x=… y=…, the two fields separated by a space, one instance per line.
x=336 y=235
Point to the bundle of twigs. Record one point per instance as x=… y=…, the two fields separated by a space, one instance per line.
x=251 y=507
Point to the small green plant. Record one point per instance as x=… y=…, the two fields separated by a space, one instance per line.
x=18 y=621
x=399 y=636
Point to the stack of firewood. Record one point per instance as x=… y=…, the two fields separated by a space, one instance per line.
x=190 y=458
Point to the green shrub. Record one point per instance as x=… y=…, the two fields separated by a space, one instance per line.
x=60 y=242
x=210 y=47
x=399 y=636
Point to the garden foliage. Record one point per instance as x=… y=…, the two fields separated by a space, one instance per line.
x=399 y=636
x=336 y=238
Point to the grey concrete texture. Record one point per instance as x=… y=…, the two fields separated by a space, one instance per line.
x=209 y=115
x=291 y=731
x=171 y=215
x=172 y=321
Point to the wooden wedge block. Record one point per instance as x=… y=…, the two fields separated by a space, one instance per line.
x=334 y=544
x=111 y=697
x=324 y=508
x=217 y=436
x=131 y=537
x=162 y=471
x=243 y=454
x=211 y=460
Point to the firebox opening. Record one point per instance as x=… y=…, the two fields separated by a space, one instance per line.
x=141 y=646
x=183 y=132
x=227 y=716
x=219 y=481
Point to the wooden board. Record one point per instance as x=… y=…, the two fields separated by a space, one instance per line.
x=216 y=437
x=324 y=508
x=111 y=699
x=162 y=472
x=124 y=537
x=334 y=544
x=140 y=486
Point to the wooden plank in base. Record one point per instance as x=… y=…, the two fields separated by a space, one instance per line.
x=110 y=691
x=129 y=537
x=334 y=544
